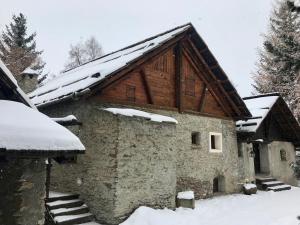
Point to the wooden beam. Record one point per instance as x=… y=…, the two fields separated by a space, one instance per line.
x=147 y=86
x=115 y=76
x=202 y=99
x=238 y=111
x=208 y=84
x=178 y=77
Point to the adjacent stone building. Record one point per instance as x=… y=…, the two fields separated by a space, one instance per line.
x=269 y=137
x=27 y=138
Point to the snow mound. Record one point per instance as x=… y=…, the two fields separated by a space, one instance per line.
x=186 y=195
x=24 y=128
x=138 y=113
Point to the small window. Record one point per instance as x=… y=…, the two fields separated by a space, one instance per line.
x=240 y=150
x=130 y=93
x=196 y=138
x=215 y=142
x=283 y=155
x=190 y=85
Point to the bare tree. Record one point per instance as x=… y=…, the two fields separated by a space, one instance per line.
x=93 y=48
x=83 y=52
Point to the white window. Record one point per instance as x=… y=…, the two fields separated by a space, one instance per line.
x=215 y=142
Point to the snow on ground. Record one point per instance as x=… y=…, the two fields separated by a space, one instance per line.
x=264 y=208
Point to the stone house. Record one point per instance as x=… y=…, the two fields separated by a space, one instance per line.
x=27 y=138
x=270 y=137
x=131 y=158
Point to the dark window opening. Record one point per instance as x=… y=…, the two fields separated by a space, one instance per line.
x=216 y=185
x=212 y=142
x=240 y=150
x=130 y=93
x=283 y=155
x=196 y=138
x=190 y=84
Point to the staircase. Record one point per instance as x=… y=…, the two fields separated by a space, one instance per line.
x=67 y=209
x=271 y=184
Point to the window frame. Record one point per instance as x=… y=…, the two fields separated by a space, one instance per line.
x=197 y=138
x=130 y=89
x=220 y=144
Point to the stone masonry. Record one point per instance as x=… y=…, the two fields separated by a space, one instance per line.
x=22 y=192
x=130 y=161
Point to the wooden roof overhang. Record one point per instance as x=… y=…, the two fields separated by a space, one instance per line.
x=283 y=116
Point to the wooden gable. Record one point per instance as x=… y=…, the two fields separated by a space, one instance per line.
x=157 y=83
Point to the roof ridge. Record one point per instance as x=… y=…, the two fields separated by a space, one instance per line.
x=262 y=95
x=132 y=45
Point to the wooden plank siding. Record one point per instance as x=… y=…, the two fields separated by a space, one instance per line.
x=169 y=81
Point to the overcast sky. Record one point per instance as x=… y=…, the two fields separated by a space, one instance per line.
x=232 y=29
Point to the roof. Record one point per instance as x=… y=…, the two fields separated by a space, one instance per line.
x=7 y=81
x=26 y=129
x=273 y=106
x=82 y=79
x=259 y=107
x=141 y=114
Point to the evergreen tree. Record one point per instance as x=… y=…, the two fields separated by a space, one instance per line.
x=17 y=49
x=279 y=63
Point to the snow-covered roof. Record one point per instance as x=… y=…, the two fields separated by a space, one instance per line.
x=15 y=85
x=26 y=129
x=81 y=78
x=142 y=114
x=259 y=106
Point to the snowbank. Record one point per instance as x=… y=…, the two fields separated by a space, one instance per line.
x=265 y=208
x=186 y=195
x=24 y=128
x=138 y=113
x=249 y=186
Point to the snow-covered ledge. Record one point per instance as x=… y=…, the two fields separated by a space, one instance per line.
x=142 y=114
x=67 y=120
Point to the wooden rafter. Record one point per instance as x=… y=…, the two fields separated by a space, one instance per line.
x=202 y=99
x=207 y=83
x=236 y=109
x=119 y=74
x=178 y=77
x=147 y=86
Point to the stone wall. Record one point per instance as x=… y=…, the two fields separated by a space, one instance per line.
x=196 y=165
x=246 y=163
x=28 y=83
x=131 y=161
x=146 y=165
x=22 y=192
x=279 y=169
x=94 y=174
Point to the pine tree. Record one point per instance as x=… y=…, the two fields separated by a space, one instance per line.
x=17 y=49
x=279 y=63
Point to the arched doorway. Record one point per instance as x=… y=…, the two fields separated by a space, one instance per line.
x=219 y=184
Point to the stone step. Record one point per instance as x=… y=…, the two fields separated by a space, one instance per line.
x=268 y=184
x=261 y=180
x=279 y=188
x=70 y=211
x=64 y=204
x=73 y=219
x=55 y=196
